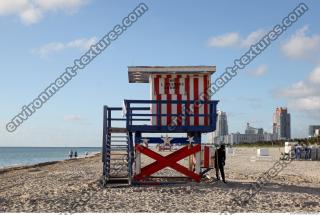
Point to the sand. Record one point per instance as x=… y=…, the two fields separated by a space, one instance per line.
x=74 y=186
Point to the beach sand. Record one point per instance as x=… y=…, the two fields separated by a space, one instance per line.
x=74 y=186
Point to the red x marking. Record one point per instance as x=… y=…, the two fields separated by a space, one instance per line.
x=167 y=161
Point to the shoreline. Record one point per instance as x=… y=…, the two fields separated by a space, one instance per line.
x=5 y=169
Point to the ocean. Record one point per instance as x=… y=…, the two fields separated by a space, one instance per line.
x=17 y=156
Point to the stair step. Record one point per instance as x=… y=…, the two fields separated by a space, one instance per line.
x=119 y=141
x=124 y=180
x=113 y=145
x=117 y=171
x=120 y=137
x=116 y=159
x=117 y=130
x=119 y=158
x=118 y=166
x=124 y=161
x=116 y=146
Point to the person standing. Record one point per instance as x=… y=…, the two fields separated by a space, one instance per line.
x=70 y=154
x=298 y=153
x=75 y=154
x=219 y=162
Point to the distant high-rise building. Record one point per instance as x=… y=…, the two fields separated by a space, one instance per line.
x=221 y=126
x=317 y=132
x=312 y=129
x=281 y=123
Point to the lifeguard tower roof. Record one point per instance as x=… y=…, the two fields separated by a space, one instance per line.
x=140 y=74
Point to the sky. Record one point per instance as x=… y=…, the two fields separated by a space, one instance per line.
x=39 y=39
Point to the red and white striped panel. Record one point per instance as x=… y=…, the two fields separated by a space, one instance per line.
x=167 y=84
x=207 y=156
x=169 y=108
x=180 y=87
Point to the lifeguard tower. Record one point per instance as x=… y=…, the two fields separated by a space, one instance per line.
x=179 y=103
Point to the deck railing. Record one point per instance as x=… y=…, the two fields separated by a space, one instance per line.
x=140 y=111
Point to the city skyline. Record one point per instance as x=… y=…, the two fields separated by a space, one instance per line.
x=281 y=129
x=223 y=115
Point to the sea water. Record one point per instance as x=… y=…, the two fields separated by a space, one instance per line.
x=16 y=156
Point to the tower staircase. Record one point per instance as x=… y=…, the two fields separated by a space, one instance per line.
x=117 y=156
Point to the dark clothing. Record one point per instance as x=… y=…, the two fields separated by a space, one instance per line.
x=70 y=154
x=219 y=162
x=298 y=153
x=307 y=153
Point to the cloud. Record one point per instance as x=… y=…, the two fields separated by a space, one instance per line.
x=54 y=47
x=233 y=39
x=314 y=77
x=82 y=43
x=261 y=70
x=32 y=11
x=252 y=38
x=72 y=118
x=225 y=40
x=296 y=90
x=306 y=88
x=311 y=103
x=301 y=46
x=304 y=95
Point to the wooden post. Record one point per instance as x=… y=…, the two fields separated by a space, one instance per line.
x=190 y=158
x=198 y=162
x=138 y=162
